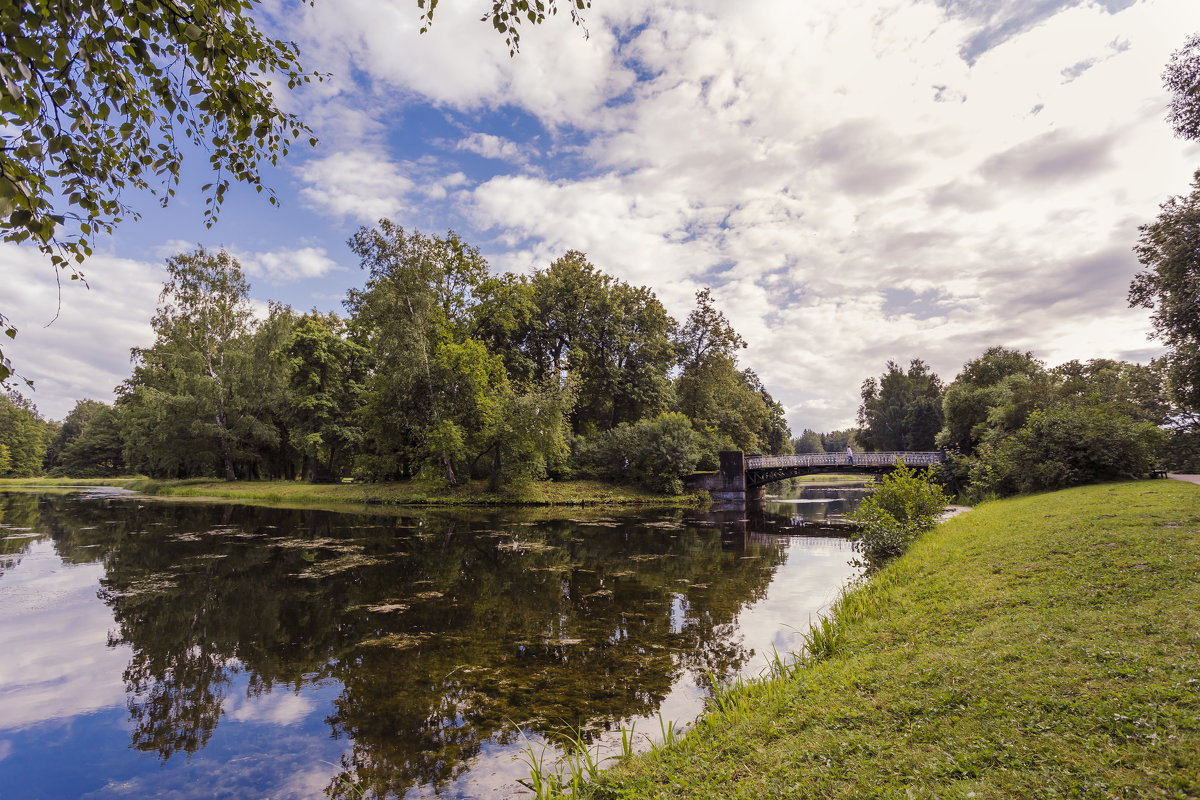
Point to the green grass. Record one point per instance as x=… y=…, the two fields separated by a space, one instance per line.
x=411 y=493
x=1040 y=647
x=37 y=483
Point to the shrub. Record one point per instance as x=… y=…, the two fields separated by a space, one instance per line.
x=655 y=453
x=899 y=508
x=1068 y=446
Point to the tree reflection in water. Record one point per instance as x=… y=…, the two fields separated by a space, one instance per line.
x=446 y=632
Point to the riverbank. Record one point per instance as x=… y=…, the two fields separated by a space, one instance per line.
x=1045 y=646
x=400 y=493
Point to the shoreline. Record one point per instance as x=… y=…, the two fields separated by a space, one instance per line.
x=1037 y=645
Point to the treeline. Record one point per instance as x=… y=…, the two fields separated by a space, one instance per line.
x=1012 y=425
x=438 y=368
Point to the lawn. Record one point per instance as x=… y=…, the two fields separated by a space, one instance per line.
x=1040 y=647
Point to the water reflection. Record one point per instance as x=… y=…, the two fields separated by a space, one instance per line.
x=426 y=642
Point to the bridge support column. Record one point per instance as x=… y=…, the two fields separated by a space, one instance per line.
x=732 y=484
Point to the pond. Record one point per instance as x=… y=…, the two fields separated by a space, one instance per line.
x=195 y=650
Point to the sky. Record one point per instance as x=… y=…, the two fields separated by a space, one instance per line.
x=857 y=181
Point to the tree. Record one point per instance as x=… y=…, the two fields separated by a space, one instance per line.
x=610 y=340
x=1068 y=445
x=24 y=435
x=76 y=421
x=1182 y=80
x=1169 y=248
x=185 y=387
x=710 y=390
x=808 y=442
x=100 y=99
x=419 y=301
x=901 y=506
x=326 y=372
x=98 y=449
x=985 y=384
x=903 y=410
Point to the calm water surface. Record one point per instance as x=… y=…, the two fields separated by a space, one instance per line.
x=153 y=649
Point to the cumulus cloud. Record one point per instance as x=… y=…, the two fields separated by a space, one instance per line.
x=280 y=266
x=490 y=146
x=75 y=344
x=362 y=184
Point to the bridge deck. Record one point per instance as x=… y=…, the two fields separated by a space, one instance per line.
x=915 y=459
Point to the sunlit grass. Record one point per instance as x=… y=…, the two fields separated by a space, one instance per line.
x=1045 y=646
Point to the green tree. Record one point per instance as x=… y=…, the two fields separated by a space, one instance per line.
x=72 y=426
x=808 y=442
x=1069 y=445
x=838 y=441
x=98 y=450
x=1169 y=249
x=326 y=372
x=24 y=434
x=415 y=316
x=900 y=506
x=985 y=384
x=99 y=100
x=193 y=396
x=710 y=389
x=611 y=341
x=902 y=410
x=1182 y=80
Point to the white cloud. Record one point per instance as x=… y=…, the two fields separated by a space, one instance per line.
x=362 y=184
x=79 y=349
x=280 y=266
x=803 y=160
x=489 y=146
x=276 y=708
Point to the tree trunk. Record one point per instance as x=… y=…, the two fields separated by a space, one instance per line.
x=494 y=480
x=226 y=453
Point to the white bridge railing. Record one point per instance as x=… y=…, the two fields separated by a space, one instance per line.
x=920 y=459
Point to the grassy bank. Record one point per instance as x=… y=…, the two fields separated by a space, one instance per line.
x=1046 y=646
x=413 y=493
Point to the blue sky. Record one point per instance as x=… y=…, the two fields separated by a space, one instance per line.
x=857 y=181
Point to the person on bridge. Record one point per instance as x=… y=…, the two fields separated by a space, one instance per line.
x=849 y=455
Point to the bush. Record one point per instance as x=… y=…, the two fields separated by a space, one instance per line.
x=899 y=508
x=1068 y=446
x=655 y=453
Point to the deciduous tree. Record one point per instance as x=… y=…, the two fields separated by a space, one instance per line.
x=1169 y=249
x=902 y=410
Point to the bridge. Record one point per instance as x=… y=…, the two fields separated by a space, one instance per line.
x=743 y=477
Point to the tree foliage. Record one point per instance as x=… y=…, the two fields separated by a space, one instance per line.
x=24 y=435
x=901 y=505
x=902 y=410
x=1068 y=445
x=99 y=100
x=507 y=16
x=1169 y=249
x=1182 y=79
x=989 y=392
